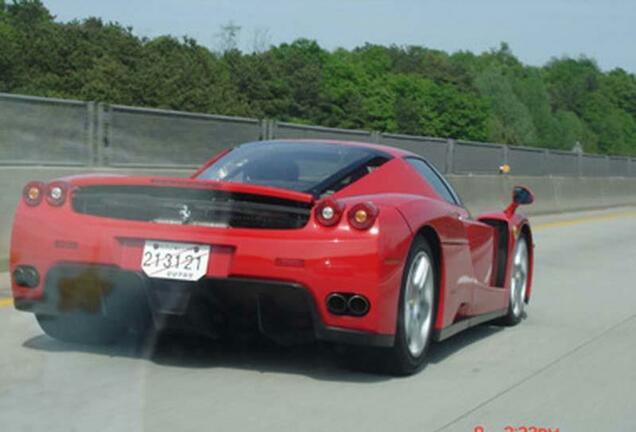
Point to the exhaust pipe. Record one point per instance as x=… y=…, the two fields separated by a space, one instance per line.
x=26 y=276
x=336 y=304
x=358 y=305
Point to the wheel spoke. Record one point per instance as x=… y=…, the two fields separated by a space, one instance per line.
x=421 y=272
x=412 y=330
x=519 y=277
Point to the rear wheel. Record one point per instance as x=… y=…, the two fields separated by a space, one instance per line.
x=518 y=282
x=80 y=327
x=416 y=315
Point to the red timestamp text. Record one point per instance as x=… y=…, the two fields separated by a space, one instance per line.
x=519 y=429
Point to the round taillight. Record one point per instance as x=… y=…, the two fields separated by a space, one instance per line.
x=362 y=216
x=329 y=212
x=56 y=193
x=33 y=193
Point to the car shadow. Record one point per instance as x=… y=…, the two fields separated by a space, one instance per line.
x=440 y=351
x=318 y=361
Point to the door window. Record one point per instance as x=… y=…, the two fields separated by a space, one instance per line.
x=435 y=179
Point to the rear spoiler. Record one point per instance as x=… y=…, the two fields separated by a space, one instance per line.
x=245 y=188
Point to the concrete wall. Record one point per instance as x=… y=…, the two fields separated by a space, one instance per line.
x=552 y=194
x=479 y=193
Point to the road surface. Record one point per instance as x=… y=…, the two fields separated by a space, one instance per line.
x=570 y=365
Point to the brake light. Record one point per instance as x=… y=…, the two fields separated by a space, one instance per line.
x=56 y=193
x=33 y=193
x=329 y=212
x=362 y=216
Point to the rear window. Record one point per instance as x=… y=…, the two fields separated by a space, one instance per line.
x=316 y=168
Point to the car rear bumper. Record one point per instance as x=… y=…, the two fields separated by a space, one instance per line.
x=283 y=311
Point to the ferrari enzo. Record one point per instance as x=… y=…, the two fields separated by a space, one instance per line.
x=356 y=244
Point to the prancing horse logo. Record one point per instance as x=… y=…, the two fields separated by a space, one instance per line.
x=185 y=213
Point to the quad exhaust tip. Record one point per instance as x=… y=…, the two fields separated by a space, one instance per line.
x=337 y=304
x=26 y=276
x=348 y=304
x=358 y=305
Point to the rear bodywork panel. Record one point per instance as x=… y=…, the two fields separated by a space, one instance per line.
x=303 y=256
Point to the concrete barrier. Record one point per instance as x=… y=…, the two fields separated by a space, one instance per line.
x=552 y=194
x=479 y=193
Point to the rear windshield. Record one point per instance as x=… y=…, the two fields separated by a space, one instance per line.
x=316 y=168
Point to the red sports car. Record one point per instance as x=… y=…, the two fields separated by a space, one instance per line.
x=351 y=243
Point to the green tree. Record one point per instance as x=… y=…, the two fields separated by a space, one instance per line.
x=531 y=91
x=511 y=121
x=615 y=129
x=570 y=81
x=620 y=88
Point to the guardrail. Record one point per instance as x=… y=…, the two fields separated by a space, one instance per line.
x=56 y=132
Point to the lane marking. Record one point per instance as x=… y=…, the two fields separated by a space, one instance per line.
x=588 y=219
x=6 y=302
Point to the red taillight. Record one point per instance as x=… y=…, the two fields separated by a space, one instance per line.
x=329 y=212
x=33 y=193
x=362 y=216
x=56 y=193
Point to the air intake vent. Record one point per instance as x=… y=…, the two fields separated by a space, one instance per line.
x=189 y=206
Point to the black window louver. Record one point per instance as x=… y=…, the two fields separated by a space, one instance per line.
x=188 y=206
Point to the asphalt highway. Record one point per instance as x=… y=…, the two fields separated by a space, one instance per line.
x=569 y=366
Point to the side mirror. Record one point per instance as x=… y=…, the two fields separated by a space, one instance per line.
x=522 y=195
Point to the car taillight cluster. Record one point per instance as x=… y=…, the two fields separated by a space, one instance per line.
x=55 y=193
x=361 y=216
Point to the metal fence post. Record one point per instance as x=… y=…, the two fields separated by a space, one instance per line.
x=265 y=129
x=273 y=129
x=102 y=140
x=450 y=156
x=99 y=133
x=506 y=155
x=91 y=142
x=376 y=137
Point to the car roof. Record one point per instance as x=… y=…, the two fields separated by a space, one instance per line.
x=393 y=151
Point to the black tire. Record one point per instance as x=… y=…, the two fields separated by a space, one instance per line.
x=81 y=328
x=398 y=360
x=511 y=318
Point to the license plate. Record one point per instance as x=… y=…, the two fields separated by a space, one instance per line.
x=177 y=261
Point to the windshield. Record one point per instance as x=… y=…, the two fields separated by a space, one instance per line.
x=303 y=167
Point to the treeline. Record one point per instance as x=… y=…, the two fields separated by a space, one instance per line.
x=412 y=90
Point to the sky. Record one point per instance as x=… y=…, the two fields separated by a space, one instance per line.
x=536 y=30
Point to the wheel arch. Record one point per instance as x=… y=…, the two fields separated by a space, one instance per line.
x=517 y=225
x=526 y=231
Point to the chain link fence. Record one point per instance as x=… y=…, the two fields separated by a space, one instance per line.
x=281 y=130
x=44 y=131
x=477 y=158
x=159 y=138
x=435 y=150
